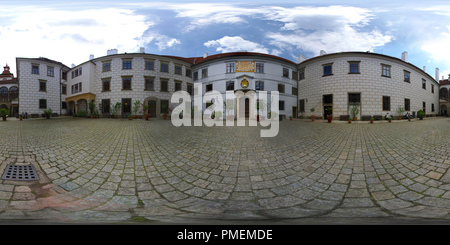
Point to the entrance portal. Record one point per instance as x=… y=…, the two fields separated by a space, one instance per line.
x=152 y=108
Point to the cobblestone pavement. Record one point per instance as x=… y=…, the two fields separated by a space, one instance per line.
x=116 y=170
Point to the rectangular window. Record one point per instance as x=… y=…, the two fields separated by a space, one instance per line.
x=302 y=105
x=178 y=70
x=126 y=64
x=63 y=105
x=195 y=76
x=432 y=88
x=407 y=105
x=177 y=86
x=386 y=70
x=424 y=106
x=188 y=72
x=301 y=74
x=164 y=86
x=230 y=85
x=386 y=103
x=432 y=107
x=190 y=89
x=209 y=87
x=164 y=67
x=42 y=104
x=107 y=66
x=204 y=72
x=259 y=85
x=42 y=85
x=106 y=85
x=34 y=69
x=259 y=68
x=294 y=91
x=354 y=67
x=50 y=71
x=285 y=72
x=354 y=98
x=281 y=105
x=230 y=67
x=424 y=84
x=327 y=99
x=407 y=76
x=281 y=88
x=64 y=75
x=294 y=75
x=327 y=70
x=149 y=65
x=149 y=83
x=80 y=71
x=126 y=83
x=64 y=89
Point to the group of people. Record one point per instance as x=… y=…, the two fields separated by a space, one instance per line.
x=24 y=115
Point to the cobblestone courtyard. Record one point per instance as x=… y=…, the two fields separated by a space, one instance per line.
x=116 y=170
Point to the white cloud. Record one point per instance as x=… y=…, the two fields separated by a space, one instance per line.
x=70 y=36
x=233 y=44
x=203 y=14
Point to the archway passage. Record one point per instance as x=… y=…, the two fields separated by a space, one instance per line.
x=444 y=110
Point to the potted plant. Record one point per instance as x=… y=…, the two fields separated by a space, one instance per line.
x=330 y=115
x=372 y=119
x=312 y=116
x=164 y=115
x=91 y=108
x=4 y=113
x=420 y=114
x=349 y=120
x=130 y=117
x=400 y=111
x=354 y=110
x=136 y=107
x=20 y=117
x=290 y=118
x=47 y=113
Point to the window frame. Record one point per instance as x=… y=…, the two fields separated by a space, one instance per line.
x=386 y=70
x=351 y=67
x=386 y=105
x=125 y=84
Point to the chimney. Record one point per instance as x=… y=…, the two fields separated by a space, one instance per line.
x=73 y=65
x=111 y=51
x=405 y=56
x=91 y=57
x=205 y=55
x=301 y=58
x=142 y=50
x=424 y=68
x=437 y=75
x=322 y=52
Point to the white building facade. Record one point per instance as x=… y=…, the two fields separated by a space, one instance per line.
x=133 y=80
x=41 y=83
x=376 y=84
x=247 y=71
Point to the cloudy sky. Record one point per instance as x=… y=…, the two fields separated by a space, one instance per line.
x=69 y=31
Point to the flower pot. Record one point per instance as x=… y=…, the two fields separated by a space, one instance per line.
x=313 y=118
x=355 y=118
x=371 y=121
x=389 y=120
x=349 y=121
